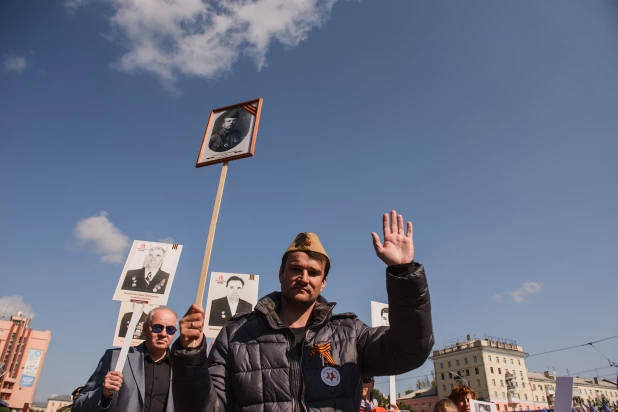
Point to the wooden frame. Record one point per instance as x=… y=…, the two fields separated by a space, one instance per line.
x=240 y=138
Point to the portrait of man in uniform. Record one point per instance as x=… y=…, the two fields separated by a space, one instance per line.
x=150 y=278
x=224 y=308
x=124 y=326
x=229 y=134
x=384 y=317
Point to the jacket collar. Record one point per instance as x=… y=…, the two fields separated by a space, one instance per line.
x=270 y=304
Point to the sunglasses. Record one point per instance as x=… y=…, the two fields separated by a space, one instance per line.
x=158 y=328
x=367 y=380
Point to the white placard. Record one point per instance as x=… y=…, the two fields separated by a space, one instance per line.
x=564 y=394
x=148 y=273
x=122 y=357
x=122 y=324
x=480 y=406
x=379 y=314
x=228 y=294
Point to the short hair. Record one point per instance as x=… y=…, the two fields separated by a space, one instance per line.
x=384 y=310
x=444 y=405
x=461 y=392
x=152 y=312
x=158 y=247
x=313 y=255
x=235 y=278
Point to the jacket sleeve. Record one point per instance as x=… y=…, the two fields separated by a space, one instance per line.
x=200 y=384
x=406 y=344
x=89 y=400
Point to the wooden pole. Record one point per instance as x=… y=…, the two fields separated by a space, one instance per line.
x=199 y=298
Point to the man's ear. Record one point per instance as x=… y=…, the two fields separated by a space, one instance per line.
x=323 y=284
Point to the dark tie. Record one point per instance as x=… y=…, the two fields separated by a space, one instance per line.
x=148 y=278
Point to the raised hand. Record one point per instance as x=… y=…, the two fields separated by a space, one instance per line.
x=191 y=325
x=398 y=247
x=112 y=383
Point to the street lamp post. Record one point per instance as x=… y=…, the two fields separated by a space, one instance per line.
x=460 y=377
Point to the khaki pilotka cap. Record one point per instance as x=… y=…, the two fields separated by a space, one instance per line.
x=305 y=242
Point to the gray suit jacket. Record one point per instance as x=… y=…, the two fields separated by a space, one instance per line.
x=130 y=398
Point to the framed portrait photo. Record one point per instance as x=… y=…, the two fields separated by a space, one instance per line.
x=229 y=294
x=379 y=314
x=148 y=273
x=122 y=324
x=230 y=133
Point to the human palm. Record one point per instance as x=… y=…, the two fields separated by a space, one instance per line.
x=398 y=246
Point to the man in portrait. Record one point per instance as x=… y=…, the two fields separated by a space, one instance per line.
x=150 y=278
x=224 y=308
x=228 y=136
x=384 y=317
x=124 y=326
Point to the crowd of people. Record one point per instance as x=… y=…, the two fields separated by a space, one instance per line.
x=290 y=353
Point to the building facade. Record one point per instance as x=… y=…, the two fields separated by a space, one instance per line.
x=495 y=369
x=22 y=354
x=56 y=402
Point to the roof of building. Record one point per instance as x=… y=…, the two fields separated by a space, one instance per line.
x=39 y=405
x=421 y=393
x=63 y=398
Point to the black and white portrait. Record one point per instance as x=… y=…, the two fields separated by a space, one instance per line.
x=480 y=406
x=148 y=273
x=123 y=321
x=230 y=133
x=229 y=294
x=379 y=314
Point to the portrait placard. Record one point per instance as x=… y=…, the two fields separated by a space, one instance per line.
x=379 y=314
x=148 y=273
x=480 y=406
x=228 y=294
x=230 y=133
x=122 y=324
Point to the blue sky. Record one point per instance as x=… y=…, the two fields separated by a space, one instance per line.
x=491 y=125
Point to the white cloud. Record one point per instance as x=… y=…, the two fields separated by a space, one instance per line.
x=521 y=294
x=170 y=38
x=14 y=64
x=166 y=240
x=103 y=237
x=10 y=305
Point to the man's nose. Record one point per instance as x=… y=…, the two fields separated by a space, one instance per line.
x=303 y=277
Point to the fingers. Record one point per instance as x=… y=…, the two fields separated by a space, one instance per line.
x=400 y=225
x=191 y=327
x=385 y=226
x=377 y=245
x=409 y=234
x=393 y=221
x=112 y=383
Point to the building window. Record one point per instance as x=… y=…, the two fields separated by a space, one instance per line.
x=496 y=394
x=430 y=406
x=448 y=364
x=501 y=383
x=497 y=359
x=525 y=396
x=493 y=382
x=516 y=385
x=490 y=358
x=523 y=384
x=499 y=371
x=519 y=362
x=504 y=359
x=478 y=383
x=423 y=406
x=465 y=361
x=503 y=396
x=443 y=388
x=442 y=376
x=491 y=369
x=474 y=359
x=457 y=362
x=476 y=371
x=536 y=398
x=441 y=365
x=467 y=372
x=520 y=407
x=511 y=361
x=543 y=398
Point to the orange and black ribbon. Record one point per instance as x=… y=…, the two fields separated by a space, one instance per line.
x=324 y=350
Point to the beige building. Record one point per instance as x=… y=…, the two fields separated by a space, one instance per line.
x=495 y=369
x=22 y=354
x=56 y=402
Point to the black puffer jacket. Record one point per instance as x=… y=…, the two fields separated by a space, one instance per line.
x=254 y=366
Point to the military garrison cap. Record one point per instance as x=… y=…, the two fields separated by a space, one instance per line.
x=307 y=241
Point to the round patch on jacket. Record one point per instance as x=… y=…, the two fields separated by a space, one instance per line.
x=331 y=376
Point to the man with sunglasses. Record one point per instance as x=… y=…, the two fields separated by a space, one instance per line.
x=145 y=382
x=291 y=353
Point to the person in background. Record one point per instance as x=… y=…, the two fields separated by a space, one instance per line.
x=461 y=395
x=445 y=405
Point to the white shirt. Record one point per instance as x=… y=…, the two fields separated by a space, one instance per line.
x=233 y=306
